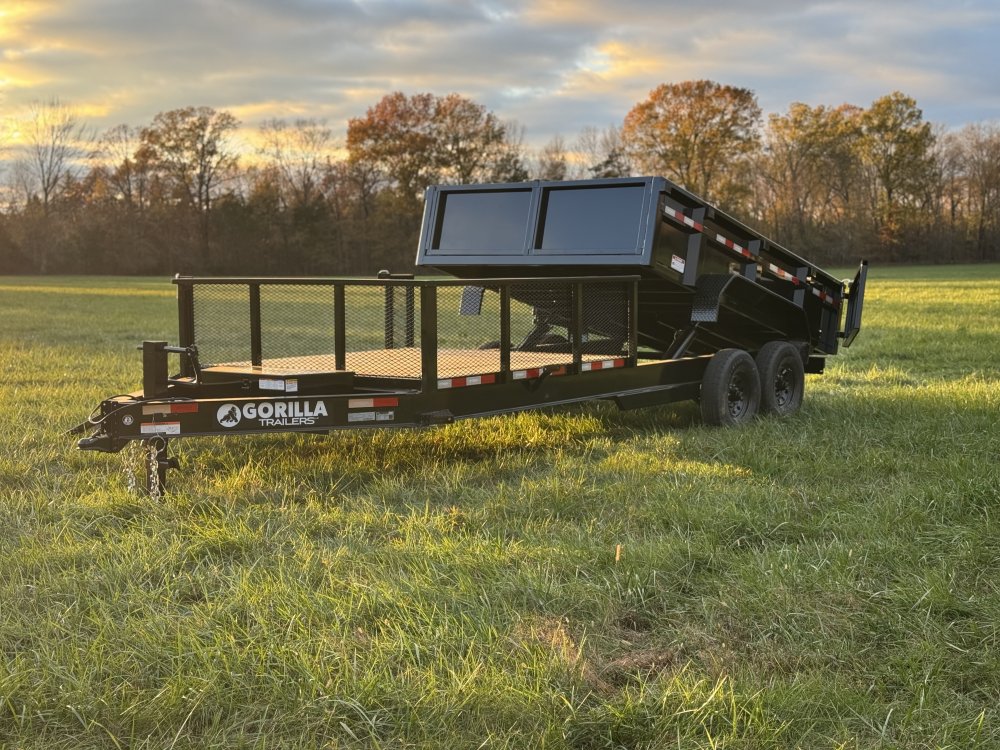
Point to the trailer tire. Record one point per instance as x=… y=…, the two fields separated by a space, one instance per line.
x=782 y=378
x=730 y=389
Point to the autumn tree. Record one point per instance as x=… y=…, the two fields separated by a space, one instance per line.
x=192 y=148
x=895 y=148
x=470 y=142
x=507 y=161
x=808 y=171
x=397 y=135
x=700 y=134
x=127 y=166
x=422 y=139
x=55 y=146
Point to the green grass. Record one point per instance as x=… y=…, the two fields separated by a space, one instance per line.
x=828 y=581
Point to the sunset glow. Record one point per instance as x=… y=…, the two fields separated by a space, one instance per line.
x=553 y=66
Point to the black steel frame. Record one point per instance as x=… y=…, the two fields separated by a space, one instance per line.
x=188 y=405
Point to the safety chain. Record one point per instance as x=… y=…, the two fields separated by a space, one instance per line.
x=139 y=467
x=133 y=457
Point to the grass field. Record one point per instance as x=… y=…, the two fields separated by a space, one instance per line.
x=829 y=581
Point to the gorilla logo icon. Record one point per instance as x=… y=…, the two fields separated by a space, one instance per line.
x=228 y=415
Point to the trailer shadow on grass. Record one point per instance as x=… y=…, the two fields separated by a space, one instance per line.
x=481 y=451
x=884 y=421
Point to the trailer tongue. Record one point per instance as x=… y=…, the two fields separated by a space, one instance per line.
x=629 y=290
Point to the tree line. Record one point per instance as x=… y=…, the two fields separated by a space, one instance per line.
x=181 y=194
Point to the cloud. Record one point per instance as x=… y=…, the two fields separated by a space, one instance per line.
x=556 y=66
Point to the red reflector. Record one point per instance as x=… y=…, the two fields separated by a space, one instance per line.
x=183 y=408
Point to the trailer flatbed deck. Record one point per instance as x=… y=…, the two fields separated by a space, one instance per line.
x=403 y=363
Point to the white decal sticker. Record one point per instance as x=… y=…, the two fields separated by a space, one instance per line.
x=267 y=384
x=292 y=385
x=361 y=416
x=385 y=416
x=160 y=428
x=677 y=263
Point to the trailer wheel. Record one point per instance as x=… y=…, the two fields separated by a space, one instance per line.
x=782 y=378
x=730 y=389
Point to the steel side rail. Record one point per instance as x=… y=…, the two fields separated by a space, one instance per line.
x=125 y=419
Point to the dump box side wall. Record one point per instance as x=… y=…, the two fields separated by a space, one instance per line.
x=648 y=226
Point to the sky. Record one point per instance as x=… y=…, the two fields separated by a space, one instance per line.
x=554 y=66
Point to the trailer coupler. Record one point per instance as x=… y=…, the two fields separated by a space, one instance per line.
x=146 y=462
x=101 y=443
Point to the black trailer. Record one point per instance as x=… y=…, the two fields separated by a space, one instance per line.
x=630 y=290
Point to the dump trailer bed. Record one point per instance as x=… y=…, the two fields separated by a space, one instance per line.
x=699 y=266
x=621 y=290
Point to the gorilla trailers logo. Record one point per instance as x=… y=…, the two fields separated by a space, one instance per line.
x=272 y=413
x=228 y=415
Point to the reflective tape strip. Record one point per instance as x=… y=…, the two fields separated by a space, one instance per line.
x=781 y=273
x=605 y=364
x=733 y=246
x=467 y=380
x=828 y=298
x=724 y=241
x=527 y=374
x=684 y=219
x=746 y=253
x=369 y=403
x=182 y=407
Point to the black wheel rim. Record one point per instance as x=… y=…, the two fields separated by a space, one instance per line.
x=738 y=400
x=784 y=388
